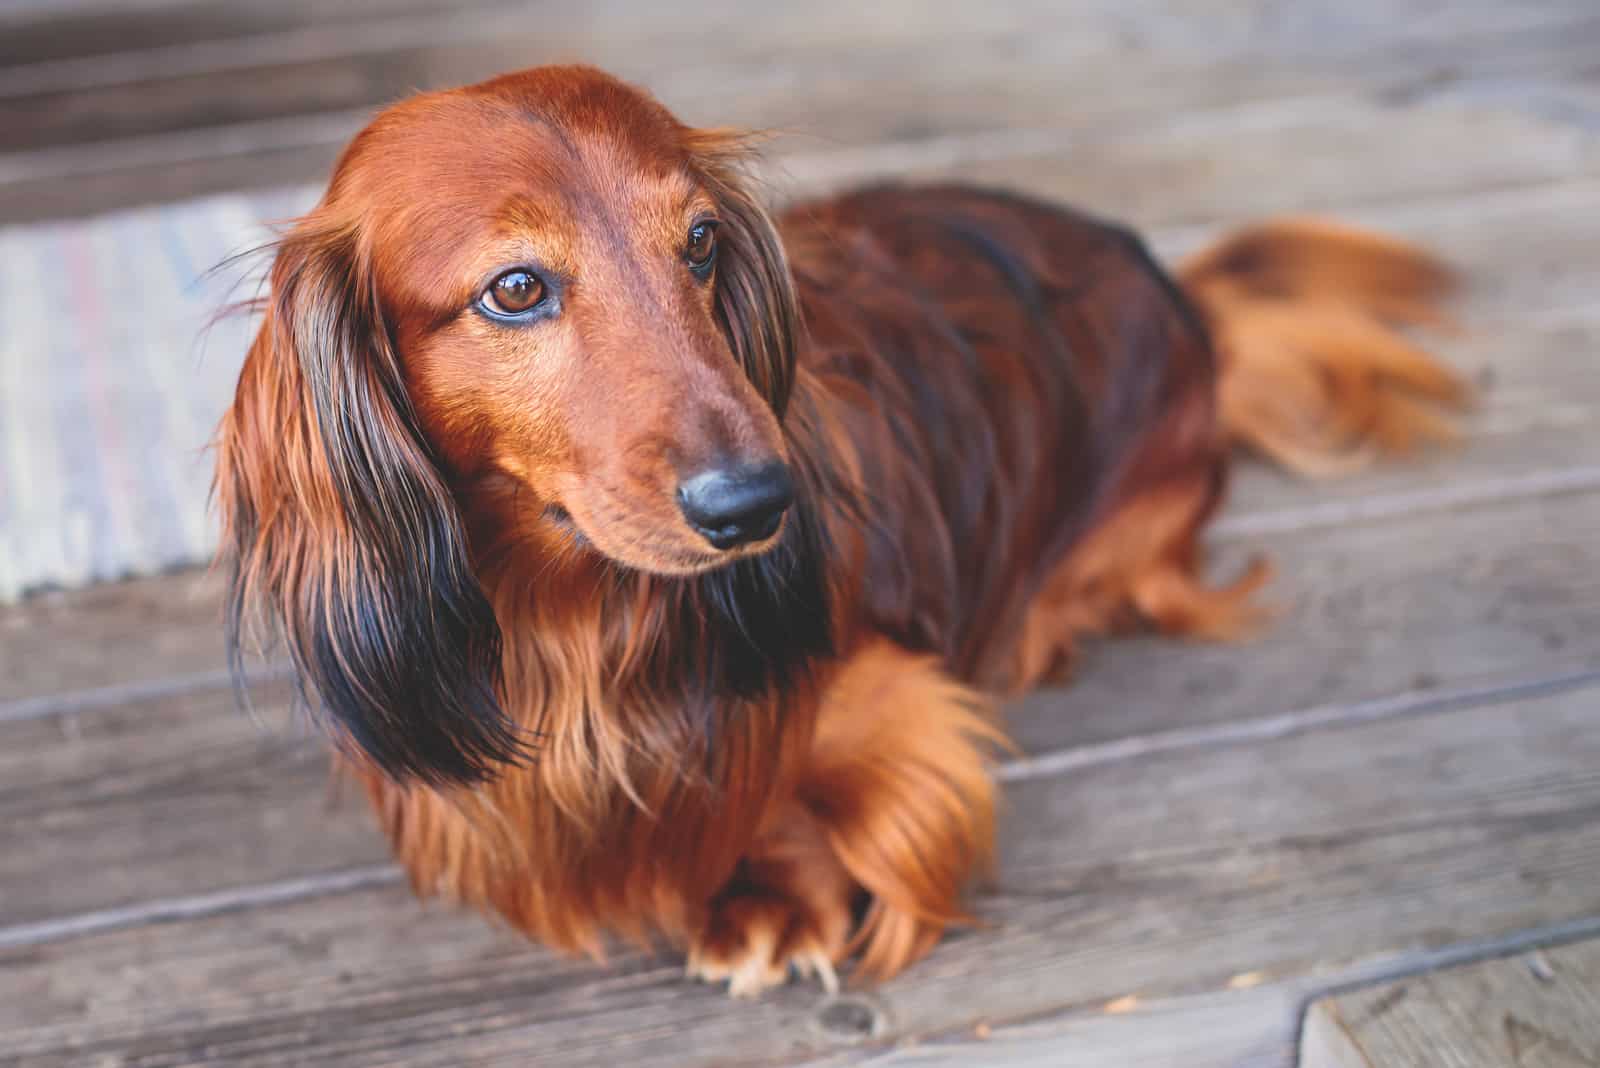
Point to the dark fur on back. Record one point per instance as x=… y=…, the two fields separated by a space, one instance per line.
x=1005 y=364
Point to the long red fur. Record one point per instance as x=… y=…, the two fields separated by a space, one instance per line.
x=1007 y=423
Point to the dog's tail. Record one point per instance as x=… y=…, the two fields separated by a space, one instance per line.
x=1306 y=317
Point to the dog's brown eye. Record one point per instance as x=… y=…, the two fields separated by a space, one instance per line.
x=702 y=246
x=514 y=293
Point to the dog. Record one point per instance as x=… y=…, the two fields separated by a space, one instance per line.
x=658 y=565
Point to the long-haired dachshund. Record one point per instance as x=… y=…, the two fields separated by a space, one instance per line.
x=657 y=564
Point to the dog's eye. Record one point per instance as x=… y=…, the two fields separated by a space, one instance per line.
x=513 y=293
x=701 y=248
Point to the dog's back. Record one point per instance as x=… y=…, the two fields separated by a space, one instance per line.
x=1040 y=414
x=1010 y=373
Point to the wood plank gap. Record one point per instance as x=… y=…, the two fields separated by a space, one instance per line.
x=184 y=146
x=955 y=1046
x=1405 y=505
x=104 y=697
x=1268 y=728
x=816 y=168
x=813 y=169
x=200 y=906
x=844 y=165
x=1420 y=962
x=324 y=41
x=1409 y=965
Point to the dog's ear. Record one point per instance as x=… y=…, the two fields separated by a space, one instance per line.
x=337 y=523
x=755 y=293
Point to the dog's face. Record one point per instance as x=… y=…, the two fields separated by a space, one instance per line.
x=540 y=310
x=553 y=254
x=550 y=263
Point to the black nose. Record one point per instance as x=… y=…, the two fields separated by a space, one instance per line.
x=735 y=506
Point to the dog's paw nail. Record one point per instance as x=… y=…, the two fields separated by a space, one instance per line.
x=815 y=962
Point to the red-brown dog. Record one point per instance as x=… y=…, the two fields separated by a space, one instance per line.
x=658 y=563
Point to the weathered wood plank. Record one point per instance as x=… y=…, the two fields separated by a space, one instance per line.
x=187 y=795
x=345 y=62
x=879 y=78
x=47 y=37
x=861 y=48
x=120 y=634
x=166 y=798
x=1251 y=1028
x=1182 y=873
x=51 y=30
x=1236 y=159
x=140 y=179
x=1540 y=1008
x=1254 y=1023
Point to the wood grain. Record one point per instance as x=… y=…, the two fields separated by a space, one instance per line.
x=1251 y=1028
x=264 y=67
x=60 y=31
x=1534 y=1009
x=165 y=798
x=118 y=634
x=1254 y=1023
x=1119 y=884
x=251 y=125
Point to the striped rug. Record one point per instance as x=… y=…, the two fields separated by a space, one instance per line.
x=111 y=382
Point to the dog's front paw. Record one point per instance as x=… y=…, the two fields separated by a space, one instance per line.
x=754 y=940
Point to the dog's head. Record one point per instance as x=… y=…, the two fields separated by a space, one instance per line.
x=542 y=293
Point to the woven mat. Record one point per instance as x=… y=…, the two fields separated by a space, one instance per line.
x=112 y=382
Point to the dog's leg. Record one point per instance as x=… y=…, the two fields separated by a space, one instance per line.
x=787 y=907
x=1140 y=569
x=896 y=809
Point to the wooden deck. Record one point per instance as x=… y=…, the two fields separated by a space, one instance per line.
x=1534 y=1008
x=1200 y=843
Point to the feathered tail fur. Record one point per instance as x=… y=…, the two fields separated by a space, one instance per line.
x=1307 y=317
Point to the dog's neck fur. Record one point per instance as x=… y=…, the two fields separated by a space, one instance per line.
x=628 y=673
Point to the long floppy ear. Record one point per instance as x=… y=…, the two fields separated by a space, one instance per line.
x=337 y=524
x=755 y=295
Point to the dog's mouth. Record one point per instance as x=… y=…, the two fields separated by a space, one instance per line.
x=678 y=555
x=714 y=559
